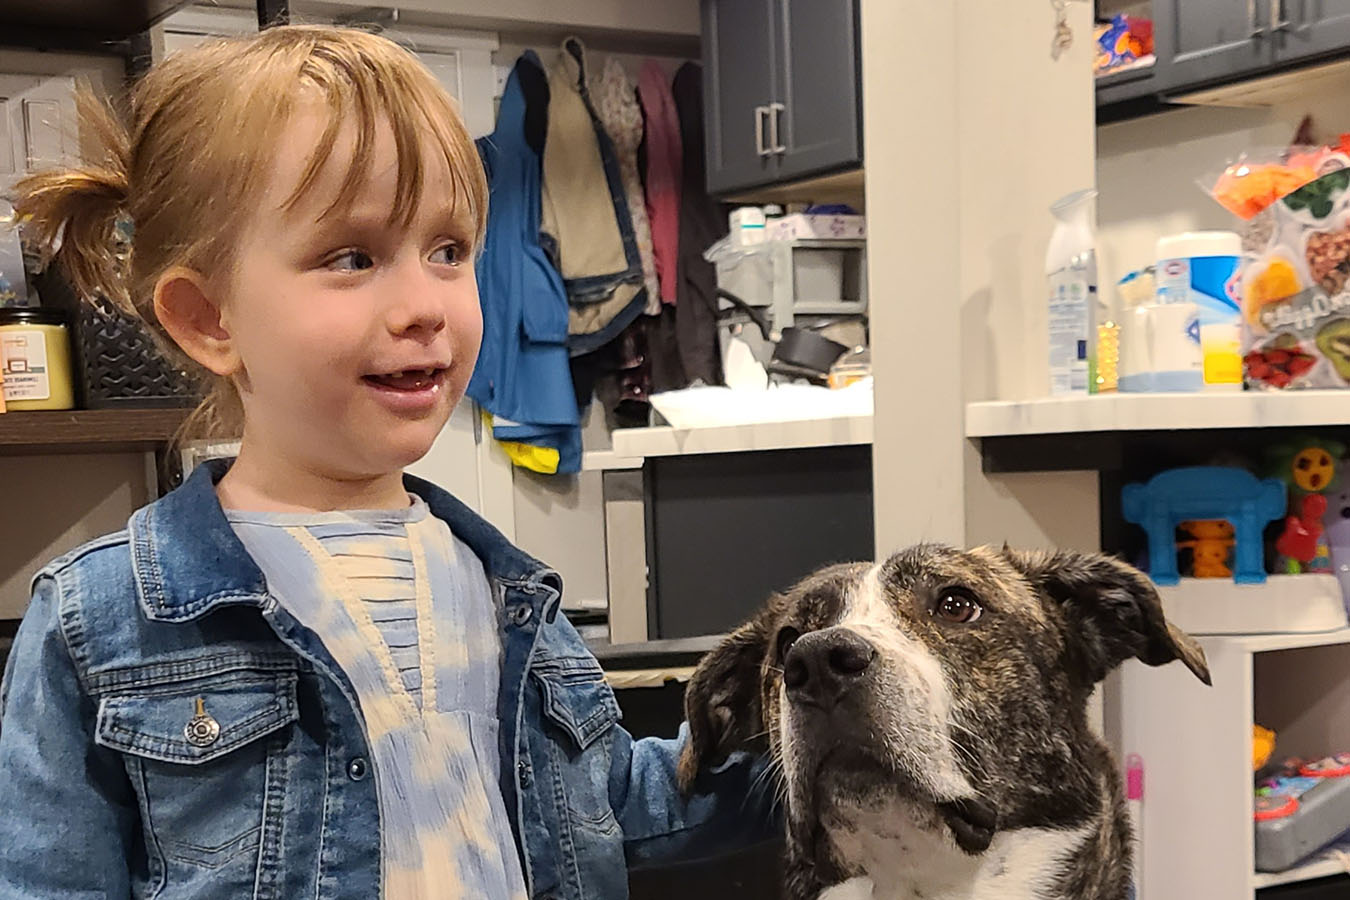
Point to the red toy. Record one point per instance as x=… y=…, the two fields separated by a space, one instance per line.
x=1302 y=533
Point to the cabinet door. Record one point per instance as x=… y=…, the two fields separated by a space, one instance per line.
x=1206 y=41
x=1311 y=28
x=817 y=122
x=739 y=62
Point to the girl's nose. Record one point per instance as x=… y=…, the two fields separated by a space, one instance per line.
x=417 y=305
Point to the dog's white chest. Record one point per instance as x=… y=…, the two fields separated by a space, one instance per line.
x=913 y=864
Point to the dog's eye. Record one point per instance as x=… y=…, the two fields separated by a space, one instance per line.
x=786 y=638
x=958 y=606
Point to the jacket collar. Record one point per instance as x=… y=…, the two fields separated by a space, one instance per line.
x=187 y=560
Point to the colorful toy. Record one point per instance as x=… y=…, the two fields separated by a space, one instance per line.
x=1337 y=535
x=1311 y=467
x=1300 y=810
x=1204 y=492
x=1263 y=747
x=1211 y=544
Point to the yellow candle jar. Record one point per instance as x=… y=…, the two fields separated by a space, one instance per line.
x=35 y=355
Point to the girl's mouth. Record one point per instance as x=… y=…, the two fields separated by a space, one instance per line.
x=408 y=380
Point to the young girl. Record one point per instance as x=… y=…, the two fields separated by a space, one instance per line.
x=303 y=673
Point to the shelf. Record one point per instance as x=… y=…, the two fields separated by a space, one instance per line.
x=608 y=461
x=1264 y=643
x=1282 y=607
x=625 y=679
x=839 y=187
x=88 y=431
x=1318 y=867
x=1272 y=90
x=1158 y=412
x=639 y=443
x=662 y=654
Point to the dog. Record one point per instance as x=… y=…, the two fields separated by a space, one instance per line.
x=926 y=718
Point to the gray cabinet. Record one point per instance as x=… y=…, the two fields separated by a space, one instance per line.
x=1307 y=29
x=781 y=90
x=740 y=65
x=1201 y=42
x=818 y=120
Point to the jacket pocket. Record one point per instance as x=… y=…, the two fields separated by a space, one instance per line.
x=580 y=705
x=577 y=699
x=197 y=723
x=206 y=757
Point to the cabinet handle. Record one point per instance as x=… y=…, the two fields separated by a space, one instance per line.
x=1277 y=20
x=760 y=113
x=775 y=110
x=1251 y=20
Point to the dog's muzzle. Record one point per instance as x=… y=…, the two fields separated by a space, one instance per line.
x=824 y=666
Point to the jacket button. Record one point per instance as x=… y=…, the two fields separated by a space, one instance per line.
x=356 y=769
x=526 y=774
x=521 y=614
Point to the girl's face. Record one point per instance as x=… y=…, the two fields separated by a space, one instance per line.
x=355 y=336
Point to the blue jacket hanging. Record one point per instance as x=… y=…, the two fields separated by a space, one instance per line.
x=522 y=373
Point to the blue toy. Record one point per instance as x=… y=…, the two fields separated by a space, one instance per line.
x=1205 y=492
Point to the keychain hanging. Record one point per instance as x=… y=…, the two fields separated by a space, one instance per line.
x=1063 y=38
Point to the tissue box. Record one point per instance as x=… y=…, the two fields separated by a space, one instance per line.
x=803 y=227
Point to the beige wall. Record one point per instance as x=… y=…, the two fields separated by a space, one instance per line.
x=55 y=503
x=1147 y=168
x=970 y=134
x=104 y=72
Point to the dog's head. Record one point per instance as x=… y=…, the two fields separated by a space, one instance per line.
x=955 y=682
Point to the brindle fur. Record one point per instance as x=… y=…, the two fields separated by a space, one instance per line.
x=1019 y=678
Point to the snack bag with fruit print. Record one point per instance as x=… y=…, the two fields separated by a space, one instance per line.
x=1296 y=306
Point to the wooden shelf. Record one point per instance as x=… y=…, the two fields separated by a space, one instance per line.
x=88 y=431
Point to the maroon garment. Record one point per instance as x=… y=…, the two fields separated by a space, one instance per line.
x=663 y=175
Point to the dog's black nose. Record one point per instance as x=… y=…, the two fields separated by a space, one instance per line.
x=823 y=665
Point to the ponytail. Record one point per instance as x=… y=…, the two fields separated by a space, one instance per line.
x=70 y=214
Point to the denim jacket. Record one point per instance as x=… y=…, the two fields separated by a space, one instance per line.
x=105 y=790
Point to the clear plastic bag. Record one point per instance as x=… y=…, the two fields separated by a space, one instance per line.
x=1259 y=178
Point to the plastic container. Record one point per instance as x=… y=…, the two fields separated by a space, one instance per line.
x=1202 y=268
x=818 y=275
x=117 y=364
x=1322 y=814
x=35 y=354
x=1071 y=290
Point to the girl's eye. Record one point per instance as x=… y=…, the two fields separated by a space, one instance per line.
x=449 y=255
x=352 y=261
x=958 y=606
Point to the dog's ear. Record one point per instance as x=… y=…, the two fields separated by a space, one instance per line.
x=1113 y=612
x=722 y=702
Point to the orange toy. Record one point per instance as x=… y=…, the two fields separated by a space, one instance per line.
x=1210 y=544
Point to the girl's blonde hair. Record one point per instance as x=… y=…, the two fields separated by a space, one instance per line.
x=186 y=158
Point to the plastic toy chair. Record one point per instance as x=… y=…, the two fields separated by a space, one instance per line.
x=1205 y=492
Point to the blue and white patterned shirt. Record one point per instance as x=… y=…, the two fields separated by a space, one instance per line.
x=406 y=610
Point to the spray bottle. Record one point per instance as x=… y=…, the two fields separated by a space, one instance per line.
x=1071 y=276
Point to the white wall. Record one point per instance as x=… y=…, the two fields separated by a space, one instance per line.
x=967 y=145
x=1147 y=168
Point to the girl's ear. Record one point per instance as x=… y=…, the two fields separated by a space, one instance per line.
x=188 y=311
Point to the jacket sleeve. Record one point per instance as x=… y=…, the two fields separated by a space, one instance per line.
x=69 y=810
x=730 y=808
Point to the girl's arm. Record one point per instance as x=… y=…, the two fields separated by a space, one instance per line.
x=67 y=810
x=731 y=806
